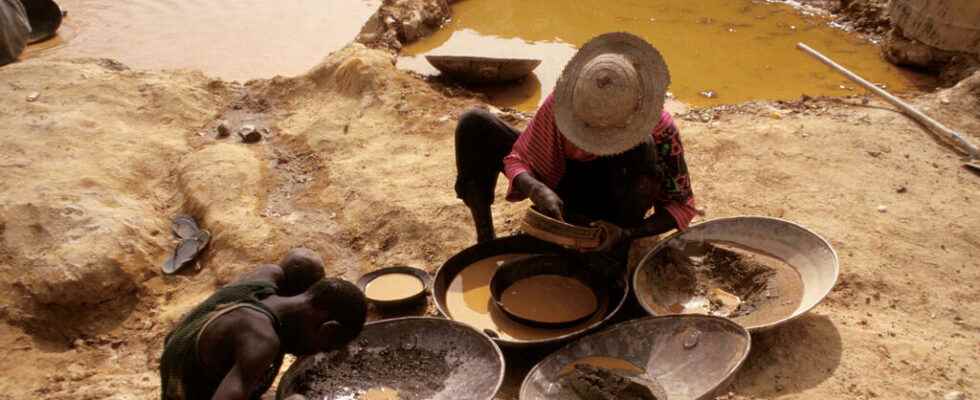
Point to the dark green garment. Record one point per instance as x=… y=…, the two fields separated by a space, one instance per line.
x=15 y=30
x=182 y=376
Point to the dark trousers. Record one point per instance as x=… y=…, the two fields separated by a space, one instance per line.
x=482 y=142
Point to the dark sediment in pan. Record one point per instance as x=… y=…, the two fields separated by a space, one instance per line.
x=414 y=372
x=713 y=275
x=587 y=382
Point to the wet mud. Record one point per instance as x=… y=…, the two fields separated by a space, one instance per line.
x=411 y=373
x=587 y=382
x=726 y=281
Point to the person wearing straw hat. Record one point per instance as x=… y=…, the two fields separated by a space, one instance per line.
x=600 y=148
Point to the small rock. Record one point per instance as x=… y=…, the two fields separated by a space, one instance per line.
x=954 y=395
x=709 y=94
x=33 y=97
x=874 y=154
x=223 y=130
x=901 y=189
x=249 y=134
x=882 y=209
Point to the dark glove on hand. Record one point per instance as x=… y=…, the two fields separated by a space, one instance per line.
x=547 y=201
x=612 y=235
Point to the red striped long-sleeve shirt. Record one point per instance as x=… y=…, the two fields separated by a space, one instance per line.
x=542 y=150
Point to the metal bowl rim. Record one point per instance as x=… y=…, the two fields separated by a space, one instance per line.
x=493 y=345
x=741 y=329
x=419 y=273
x=531 y=343
x=448 y=57
x=497 y=297
x=636 y=273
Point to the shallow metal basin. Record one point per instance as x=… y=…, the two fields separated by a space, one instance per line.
x=616 y=295
x=690 y=356
x=478 y=376
x=483 y=69
x=808 y=253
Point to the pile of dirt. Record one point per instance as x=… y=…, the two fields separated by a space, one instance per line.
x=950 y=66
x=724 y=281
x=415 y=373
x=400 y=22
x=588 y=382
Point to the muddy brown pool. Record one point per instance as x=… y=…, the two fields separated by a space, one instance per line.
x=739 y=49
x=229 y=39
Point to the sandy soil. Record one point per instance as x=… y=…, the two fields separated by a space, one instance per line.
x=358 y=165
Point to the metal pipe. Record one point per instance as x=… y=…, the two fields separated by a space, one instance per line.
x=968 y=147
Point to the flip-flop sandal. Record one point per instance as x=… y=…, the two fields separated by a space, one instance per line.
x=184 y=227
x=186 y=252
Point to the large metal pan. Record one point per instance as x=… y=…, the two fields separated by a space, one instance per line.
x=808 y=253
x=479 y=364
x=616 y=295
x=690 y=356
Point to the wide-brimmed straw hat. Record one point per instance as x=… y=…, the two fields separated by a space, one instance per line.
x=611 y=94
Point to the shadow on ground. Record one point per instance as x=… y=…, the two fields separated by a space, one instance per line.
x=791 y=358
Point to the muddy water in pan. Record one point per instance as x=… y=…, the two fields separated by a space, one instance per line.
x=393 y=287
x=469 y=301
x=230 y=39
x=738 y=49
x=550 y=299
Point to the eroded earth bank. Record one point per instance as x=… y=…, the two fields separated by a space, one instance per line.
x=358 y=164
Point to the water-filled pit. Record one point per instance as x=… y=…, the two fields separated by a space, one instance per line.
x=738 y=50
x=232 y=40
x=729 y=50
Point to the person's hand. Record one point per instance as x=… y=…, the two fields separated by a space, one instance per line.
x=547 y=201
x=612 y=235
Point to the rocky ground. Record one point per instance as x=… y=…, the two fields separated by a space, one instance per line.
x=872 y=19
x=95 y=160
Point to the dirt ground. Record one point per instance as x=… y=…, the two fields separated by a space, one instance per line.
x=358 y=165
